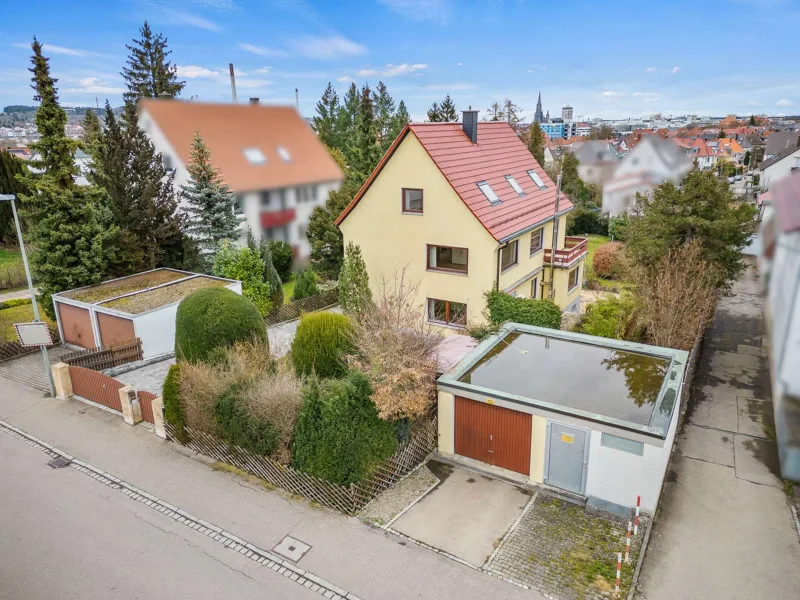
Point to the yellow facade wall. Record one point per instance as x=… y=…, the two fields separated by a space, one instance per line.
x=538 y=444
x=446 y=408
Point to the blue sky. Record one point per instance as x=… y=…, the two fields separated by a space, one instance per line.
x=710 y=57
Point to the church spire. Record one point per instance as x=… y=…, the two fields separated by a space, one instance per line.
x=538 y=116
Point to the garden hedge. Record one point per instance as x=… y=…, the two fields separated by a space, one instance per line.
x=173 y=411
x=322 y=342
x=504 y=308
x=215 y=317
x=238 y=427
x=608 y=260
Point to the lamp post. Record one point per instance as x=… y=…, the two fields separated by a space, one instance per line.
x=12 y=198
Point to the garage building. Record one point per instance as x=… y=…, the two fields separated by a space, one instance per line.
x=589 y=416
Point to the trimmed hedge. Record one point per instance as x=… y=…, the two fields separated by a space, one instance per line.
x=238 y=427
x=504 y=308
x=339 y=436
x=215 y=317
x=14 y=302
x=321 y=343
x=173 y=411
x=608 y=260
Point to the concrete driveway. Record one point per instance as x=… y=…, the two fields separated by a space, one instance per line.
x=466 y=515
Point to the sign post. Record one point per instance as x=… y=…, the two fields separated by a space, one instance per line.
x=45 y=357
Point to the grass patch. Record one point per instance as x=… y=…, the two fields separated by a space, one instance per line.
x=610 y=285
x=17 y=314
x=111 y=289
x=226 y=468
x=288 y=288
x=10 y=257
x=162 y=296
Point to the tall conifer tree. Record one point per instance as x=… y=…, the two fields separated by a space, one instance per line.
x=148 y=73
x=325 y=121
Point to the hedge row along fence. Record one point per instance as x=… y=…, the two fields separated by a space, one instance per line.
x=347 y=499
x=105 y=357
x=293 y=310
x=9 y=350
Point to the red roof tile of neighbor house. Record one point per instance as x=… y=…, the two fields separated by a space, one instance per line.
x=229 y=129
x=497 y=153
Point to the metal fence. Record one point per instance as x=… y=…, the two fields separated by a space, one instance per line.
x=106 y=357
x=347 y=499
x=293 y=310
x=9 y=350
x=96 y=387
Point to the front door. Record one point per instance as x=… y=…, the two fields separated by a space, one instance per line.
x=566 y=460
x=497 y=436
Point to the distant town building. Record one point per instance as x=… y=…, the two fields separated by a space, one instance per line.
x=538 y=116
x=566 y=113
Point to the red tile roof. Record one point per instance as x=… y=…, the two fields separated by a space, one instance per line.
x=499 y=152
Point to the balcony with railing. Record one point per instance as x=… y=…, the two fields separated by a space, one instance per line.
x=277 y=218
x=574 y=249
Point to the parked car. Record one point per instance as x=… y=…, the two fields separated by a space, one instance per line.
x=731 y=179
x=738 y=178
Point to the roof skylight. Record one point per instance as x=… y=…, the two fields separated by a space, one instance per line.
x=513 y=183
x=254 y=156
x=536 y=179
x=284 y=154
x=488 y=192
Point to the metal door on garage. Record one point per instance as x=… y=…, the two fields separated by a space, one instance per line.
x=498 y=436
x=567 y=454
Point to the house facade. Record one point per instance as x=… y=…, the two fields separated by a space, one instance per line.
x=464 y=208
x=268 y=155
x=779 y=166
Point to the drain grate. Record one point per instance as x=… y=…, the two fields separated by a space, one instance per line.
x=59 y=462
x=291 y=548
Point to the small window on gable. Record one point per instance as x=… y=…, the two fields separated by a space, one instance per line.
x=513 y=183
x=536 y=179
x=488 y=192
x=284 y=154
x=254 y=156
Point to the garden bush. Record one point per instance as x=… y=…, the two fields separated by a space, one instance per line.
x=587 y=220
x=613 y=317
x=246 y=265
x=609 y=260
x=237 y=426
x=503 y=308
x=355 y=296
x=618 y=227
x=306 y=285
x=321 y=344
x=173 y=410
x=14 y=302
x=282 y=257
x=339 y=436
x=213 y=317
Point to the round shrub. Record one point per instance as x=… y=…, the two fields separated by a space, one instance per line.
x=305 y=285
x=215 y=317
x=322 y=341
x=173 y=411
x=609 y=259
x=504 y=308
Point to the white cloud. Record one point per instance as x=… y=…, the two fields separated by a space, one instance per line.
x=451 y=86
x=225 y=5
x=784 y=102
x=393 y=70
x=344 y=79
x=437 y=11
x=180 y=17
x=535 y=68
x=675 y=70
x=649 y=69
x=460 y=64
x=611 y=96
x=647 y=96
x=263 y=70
x=262 y=51
x=193 y=72
x=93 y=85
x=328 y=48
x=63 y=50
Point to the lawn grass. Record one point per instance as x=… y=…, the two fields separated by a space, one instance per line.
x=288 y=288
x=17 y=314
x=9 y=257
x=595 y=241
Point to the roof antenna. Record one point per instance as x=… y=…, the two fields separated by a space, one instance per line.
x=233 y=83
x=297 y=100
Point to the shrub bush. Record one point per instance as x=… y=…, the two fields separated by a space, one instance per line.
x=321 y=343
x=271 y=275
x=355 y=296
x=306 y=285
x=618 y=227
x=213 y=317
x=609 y=260
x=173 y=410
x=612 y=317
x=282 y=257
x=586 y=220
x=237 y=426
x=14 y=302
x=339 y=436
x=504 y=308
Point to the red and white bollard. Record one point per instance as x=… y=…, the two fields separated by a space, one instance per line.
x=628 y=544
x=636 y=518
x=619 y=569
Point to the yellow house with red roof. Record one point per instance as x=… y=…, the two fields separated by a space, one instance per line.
x=464 y=207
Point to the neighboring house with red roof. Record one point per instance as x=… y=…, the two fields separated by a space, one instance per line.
x=465 y=207
x=268 y=155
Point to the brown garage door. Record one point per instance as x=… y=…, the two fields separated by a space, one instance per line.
x=114 y=330
x=77 y=325
x=494 y=435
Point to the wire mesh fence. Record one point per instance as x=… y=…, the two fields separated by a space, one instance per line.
x=293 y=310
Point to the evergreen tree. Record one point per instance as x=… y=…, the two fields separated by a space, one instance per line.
x=536 y=143
x=346 y=120
x=495 y=113
x=752 y=121
x=721 y=133
x=210 y=202
x=69 y=243
x=148 y=72
x=364 y=150
x=11 y=169
x=384 y=113
x=306 y=285
x=447 y=110
x=325 y=238
x=271 y=274
x=325 y=121
x=401 y=119
x=434 y=113
x=354 y=293
x=91 y=132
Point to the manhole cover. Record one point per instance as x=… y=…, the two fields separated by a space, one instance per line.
x=291 y=548
x=59 y=462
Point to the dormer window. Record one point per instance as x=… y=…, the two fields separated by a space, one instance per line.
x=488 y=192
x=284 y=154
x=513 y=183
x=254 y=156
x=537 y=180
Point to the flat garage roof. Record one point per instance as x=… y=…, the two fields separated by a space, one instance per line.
x=633 y=386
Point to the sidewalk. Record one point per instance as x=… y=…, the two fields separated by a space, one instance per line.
x=370 y=562
x=18 y=295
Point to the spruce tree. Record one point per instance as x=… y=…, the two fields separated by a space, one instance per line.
x=401 y=119
x=364 y=150
x=148 y=72
x=91 y=132
x=68 y=241
x=325 y=238
x=536 y=142
x=434 y=113
x=325 y=120
x=346 y=119
x=384 y=113
x=447 y=110
x=210 y=202
x=354 y=293
x=11 y=168
x=271 y=274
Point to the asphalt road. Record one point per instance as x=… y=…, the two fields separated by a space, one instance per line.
x=64 y=535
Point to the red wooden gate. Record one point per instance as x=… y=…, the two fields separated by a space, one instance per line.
x=146 y=402
x=96 y=387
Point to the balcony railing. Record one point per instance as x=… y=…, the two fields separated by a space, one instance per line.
x=574 y=248
x=277 y=218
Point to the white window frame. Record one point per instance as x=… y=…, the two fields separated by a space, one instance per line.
x=488 y=192
x=514 y=185
x=537 y=180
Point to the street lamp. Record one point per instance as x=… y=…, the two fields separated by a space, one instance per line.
x=12 y=198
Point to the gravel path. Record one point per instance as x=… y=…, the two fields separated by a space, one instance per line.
x=391 y=502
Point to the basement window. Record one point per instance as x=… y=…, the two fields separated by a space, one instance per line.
x=513 y=183
x=537 y=180
x=488 y=192
x=254 y=156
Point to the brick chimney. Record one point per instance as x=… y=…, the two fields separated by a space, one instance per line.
x=469 y=122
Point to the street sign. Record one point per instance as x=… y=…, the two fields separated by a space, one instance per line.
x=33 y=334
